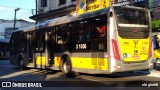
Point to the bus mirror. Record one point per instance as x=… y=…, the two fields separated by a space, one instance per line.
x=110 y=14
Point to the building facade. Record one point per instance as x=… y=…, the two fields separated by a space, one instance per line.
x=154 y=6
x=6 y=27
x=49 y=9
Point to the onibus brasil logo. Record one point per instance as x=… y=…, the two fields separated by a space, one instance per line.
x=82 y=5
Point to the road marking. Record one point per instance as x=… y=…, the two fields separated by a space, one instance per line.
x=18 y=73
x=40 y=72
x=90 y=79
x=56 y=75
x=154 y=75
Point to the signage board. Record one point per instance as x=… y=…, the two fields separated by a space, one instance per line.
x=84 y=6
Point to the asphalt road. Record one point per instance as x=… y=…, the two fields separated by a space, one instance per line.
x=85 y=81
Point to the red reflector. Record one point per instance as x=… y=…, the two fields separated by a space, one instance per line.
x=115 y=49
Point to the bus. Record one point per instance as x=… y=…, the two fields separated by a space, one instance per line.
x=109 y=40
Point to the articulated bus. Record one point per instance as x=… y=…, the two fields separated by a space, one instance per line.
x=113 y=39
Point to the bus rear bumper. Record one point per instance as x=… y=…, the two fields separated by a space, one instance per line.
x=122 y=67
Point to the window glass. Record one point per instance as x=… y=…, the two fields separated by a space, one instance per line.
x=99 y=26
x=63 y=34
x=43 y=3
x=87 y=29
x=131 y=16
x=156 y=13
x=51 y=39
x=61 y=2
x=39 y=41
x=81 y=31
x=59 y=35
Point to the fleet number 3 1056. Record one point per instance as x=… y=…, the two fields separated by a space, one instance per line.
x=81 y=46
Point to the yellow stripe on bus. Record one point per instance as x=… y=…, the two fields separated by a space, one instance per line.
x=90 y=63
x=41 y=60
x=133 y=50
x=57 y=61
x=87 y=63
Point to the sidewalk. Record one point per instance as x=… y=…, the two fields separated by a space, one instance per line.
x=154 y=73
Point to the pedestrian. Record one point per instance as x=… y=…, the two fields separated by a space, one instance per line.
x=158 y=41
x=155 y=44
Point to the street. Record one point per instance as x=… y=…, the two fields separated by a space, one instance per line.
x=127 y=79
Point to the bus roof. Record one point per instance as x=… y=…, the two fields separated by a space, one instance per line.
x=70 y=18
x=52 y=22
x=65 y=19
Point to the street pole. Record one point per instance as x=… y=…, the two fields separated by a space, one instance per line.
x=36 y=11
x=15 y=12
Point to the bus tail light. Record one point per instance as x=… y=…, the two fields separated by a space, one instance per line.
x=150 y=49
x=115 y=49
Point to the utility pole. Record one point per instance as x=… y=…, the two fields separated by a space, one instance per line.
x=15 y=13
x=36 y=10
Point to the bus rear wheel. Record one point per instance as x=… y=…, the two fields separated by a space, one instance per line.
x=21 y=64
x=66 y=67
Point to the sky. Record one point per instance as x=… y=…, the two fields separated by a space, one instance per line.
x=7 y=8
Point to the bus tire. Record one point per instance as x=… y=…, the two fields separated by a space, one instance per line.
x=66 y=67
x=21 y=63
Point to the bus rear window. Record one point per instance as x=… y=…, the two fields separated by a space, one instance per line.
x=131 y=16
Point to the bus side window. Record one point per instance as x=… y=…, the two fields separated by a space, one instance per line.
x=66 y=36
x=35 y=42
x=12 y=44
x=75 y=32
x=59 y=35
x=63 y=34
x=39 y=41
x=99 y=29
x=87 y=29
x=89 y=34
x=82 y=33
x=51 y=40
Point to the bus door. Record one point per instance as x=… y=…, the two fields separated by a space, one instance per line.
x=30 y=47
x=39 y=49
x=50 y=49
x=99 y=43
x=98 y=53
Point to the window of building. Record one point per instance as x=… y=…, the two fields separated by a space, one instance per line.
x=73 y=0
x=156 y=14
x=61 y=2
x=156 y=3
x=43 y=3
